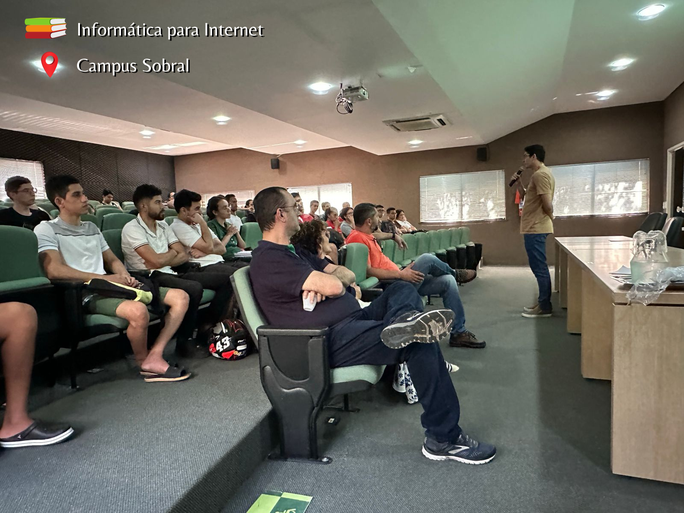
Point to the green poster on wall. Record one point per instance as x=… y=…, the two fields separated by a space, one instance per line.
x=280 y=502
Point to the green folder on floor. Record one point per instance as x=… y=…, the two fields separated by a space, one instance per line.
x=280 y=502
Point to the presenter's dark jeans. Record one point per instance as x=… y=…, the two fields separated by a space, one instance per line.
x=535 y=245
x=356 y=341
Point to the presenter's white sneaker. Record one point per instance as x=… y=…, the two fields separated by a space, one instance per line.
x=537 y=312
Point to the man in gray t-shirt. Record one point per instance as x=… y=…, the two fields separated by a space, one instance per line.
x=74 y=250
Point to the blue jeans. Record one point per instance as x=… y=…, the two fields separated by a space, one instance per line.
x=535 y=245
x=356 y=341
x=439 y=281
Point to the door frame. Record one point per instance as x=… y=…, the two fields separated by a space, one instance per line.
x=669 y=183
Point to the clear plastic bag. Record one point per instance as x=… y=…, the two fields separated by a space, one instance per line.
x=645 y=292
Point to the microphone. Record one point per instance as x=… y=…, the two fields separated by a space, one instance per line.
x=517 y=177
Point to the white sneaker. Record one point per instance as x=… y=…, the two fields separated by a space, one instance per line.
x=451 y=367
x=532 y=308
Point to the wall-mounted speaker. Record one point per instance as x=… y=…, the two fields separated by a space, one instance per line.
x=275 y=163
x=483 y=153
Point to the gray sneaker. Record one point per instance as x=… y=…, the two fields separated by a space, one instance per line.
x=536 y=312
x=529 y=309
x=423 y=327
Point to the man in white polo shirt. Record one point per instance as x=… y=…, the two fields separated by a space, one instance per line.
x=149 y=244
x=74 y=250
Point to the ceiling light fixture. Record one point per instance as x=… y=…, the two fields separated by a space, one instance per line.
x=606 y=93
x=415 y=146
x=650 y=12
x=300 y=142
x=221 y=120
x=415 y=142
x=162 y=147
x=321 y=87
x=146 y=133
x=620 y=64
x=39 y=66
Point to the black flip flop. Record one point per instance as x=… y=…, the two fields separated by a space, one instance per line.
x=172 y=374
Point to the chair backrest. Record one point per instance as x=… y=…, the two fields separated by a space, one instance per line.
x=388 y=247
x=116 y=221
x=241 y=213
x=170 y=212
x=170 y=219
x=113 y=238
x=103 y=211
x=423 y=243
x=654 y=221
x=127 y=204
x=455 y=237
x=674 y=232
x=357 y=260
x=465 y=234
x=18 y=254
x=55 y=212
x=87 y=217
x=444 y=238
x=251 y=313
x=398 y=256
x=411 y=250
x=94 y=203
x=251 y=234
x=435 y=237
x=45 y=205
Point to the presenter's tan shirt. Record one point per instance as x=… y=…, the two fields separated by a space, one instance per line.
x=534 y=220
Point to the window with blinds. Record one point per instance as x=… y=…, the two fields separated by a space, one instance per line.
x=335 y=193
x=241 y=196
x=30 y=169
x=462 y=197
x=603 y=188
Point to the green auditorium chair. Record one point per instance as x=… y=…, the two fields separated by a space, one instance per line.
x=434 y=241
x=55 y=212
x=45 y=205
x=423 y=243
x=22 y=280
x=89 y=217
x=241 y=213
x=388 y=246
x=411 y=251
x=127 y=205
x=170 y=219
x=251 y=234
x=116 y=221
x=356 y=261
x=296 y=375
x=103 y=211
x=94 y=203
x=398 y=256
x=170 y=212
x=444 y=241
x=465 y=235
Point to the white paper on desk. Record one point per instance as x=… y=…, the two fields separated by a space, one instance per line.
x=623 y=271
x=243 y=254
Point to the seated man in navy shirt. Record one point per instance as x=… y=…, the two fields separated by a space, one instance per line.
x=392 y=329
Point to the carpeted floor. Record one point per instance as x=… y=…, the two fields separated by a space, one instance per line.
x=524 y=393
x=142 y=447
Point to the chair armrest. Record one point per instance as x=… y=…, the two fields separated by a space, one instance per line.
x=72 y=292
x=27 y=284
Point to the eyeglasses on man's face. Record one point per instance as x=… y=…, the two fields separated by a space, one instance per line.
x=294 y=205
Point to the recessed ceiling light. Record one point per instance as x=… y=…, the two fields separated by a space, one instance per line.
x=415 y=141
x=146 y=132
x=321 y=87
x=39 y=66
x=605 y=94
x=162 y=147
x=195 y=143
x=464 y=137
x=415 y=146
x=620 y=64
x=221 y=120
x=650 y=12
x=147 y=137
x=299 y=146
x=299 y=141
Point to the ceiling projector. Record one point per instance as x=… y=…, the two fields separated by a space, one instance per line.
x=346 y=98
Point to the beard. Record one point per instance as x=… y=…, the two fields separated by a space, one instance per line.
x=159 y=216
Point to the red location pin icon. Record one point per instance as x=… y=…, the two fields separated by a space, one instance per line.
x=49 y=68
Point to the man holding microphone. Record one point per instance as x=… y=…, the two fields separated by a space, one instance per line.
x=537 y=223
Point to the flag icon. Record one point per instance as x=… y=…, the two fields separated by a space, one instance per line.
x=45 y=28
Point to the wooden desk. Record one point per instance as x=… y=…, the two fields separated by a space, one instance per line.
x=640 y=348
